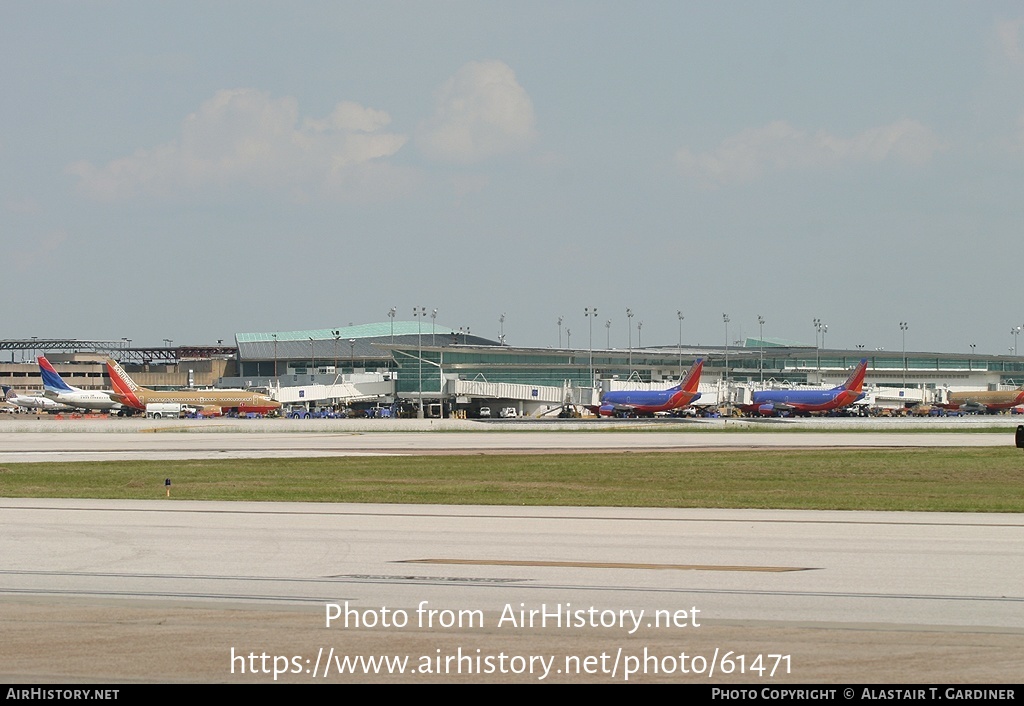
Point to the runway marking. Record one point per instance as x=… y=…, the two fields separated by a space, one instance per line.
x=445 y=579
x=607 y=565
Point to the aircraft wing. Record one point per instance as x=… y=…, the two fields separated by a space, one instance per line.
x=770 y=407
x=619 y=407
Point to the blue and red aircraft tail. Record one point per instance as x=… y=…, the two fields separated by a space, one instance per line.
x=51 y=378
x=855 y=383
x=692 y=379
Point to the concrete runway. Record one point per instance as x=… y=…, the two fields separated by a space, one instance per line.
x=139 y=439
x=115 y=591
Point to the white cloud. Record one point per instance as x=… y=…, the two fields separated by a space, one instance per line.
x=1017 y=142
x=1008 y=35
x=38 y=253
x=480 y=112
x=244 y=137
x=781 y=147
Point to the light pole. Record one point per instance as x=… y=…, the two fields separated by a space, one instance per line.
x=760 y=346
x=679 y=346
x=1016 y=332
x=725 y=319
x=560 y=318
x=433 y=326
x=591 y=313
x=337 y=335
x=501 y=329
x=819 y=328
x=608 y=334
x=352 y=353
x=312 y=355
x=903 y=329
x=418 y=313
x=568 y=338
x=275 y=356
x=391 y=314
x=639 y=337
x=629 y=326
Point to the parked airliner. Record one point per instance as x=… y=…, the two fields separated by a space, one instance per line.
x=128 y=393
x=989 y=401
x=771 y=402
x=33 y=401
x=57 y=390
x=632 y=403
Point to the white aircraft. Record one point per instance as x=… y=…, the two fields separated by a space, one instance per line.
x=32 y=402
x=54 y=388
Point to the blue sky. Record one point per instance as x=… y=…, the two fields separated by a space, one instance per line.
x=191 y=170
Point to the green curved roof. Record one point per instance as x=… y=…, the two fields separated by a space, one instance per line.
x=376 y=330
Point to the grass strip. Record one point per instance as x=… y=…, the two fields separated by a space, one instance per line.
x=928 y=479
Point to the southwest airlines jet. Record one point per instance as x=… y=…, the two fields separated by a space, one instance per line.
x=769 y=402
x=989 y=401
x=634 y=403
x=211 y=401
x=57 y=390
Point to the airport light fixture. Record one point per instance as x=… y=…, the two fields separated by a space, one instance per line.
x=352 y=352
x=568 y=338
x=903 y=330
x=639 y=337
x=391 y=313
x=274 y=336
x=337 y=336
x=629 y=327
x=1016 y=332
x=679 y=348
x=608 y=334
x=433 y=326
x=418 y=313
x=760 y=345
x=725 y=319
x=560 y=319
x=312 y=355
x=501 y=329
x=819 y=329
x=591 y=314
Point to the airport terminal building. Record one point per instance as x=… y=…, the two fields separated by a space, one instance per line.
x=454 y=371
